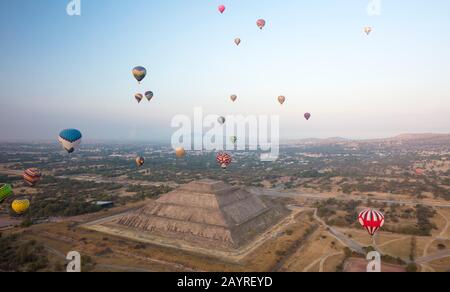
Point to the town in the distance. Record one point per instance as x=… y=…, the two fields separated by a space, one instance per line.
x=299 y=213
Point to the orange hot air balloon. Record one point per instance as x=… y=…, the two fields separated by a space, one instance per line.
x=140 y=161
x=32 y=176
x=180 y=152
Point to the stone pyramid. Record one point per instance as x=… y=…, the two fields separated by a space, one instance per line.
x=205 y=213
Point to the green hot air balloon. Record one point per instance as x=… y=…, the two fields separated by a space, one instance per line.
x=5 y=192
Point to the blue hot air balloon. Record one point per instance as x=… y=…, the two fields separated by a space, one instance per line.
x=70 y=139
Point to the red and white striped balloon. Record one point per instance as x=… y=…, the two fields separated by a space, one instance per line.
x=371 y=220
x=224 y=160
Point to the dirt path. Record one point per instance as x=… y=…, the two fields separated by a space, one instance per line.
x=325 y=258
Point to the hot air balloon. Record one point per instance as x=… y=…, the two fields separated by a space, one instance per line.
x=139 y=73
x=20 y=206
x=149 y=95
x=138 y=97
x=371 y=220
x=221 y=8
x=221 y=120
x=5 y=192
x=224 y=160
x=281 y=99
x=140 y=161
x=70 y=139
x=32 y=176
x=180 y=152
x=261 y=23
x=237 y=41
x=307 y=116
x=233 y=97
x=368 y=30
x=233 y=139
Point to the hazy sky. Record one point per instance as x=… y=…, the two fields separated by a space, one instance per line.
x=62 y=72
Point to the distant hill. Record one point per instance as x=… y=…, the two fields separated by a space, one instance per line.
x=403 y=138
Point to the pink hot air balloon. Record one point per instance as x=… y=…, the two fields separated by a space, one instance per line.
x=222 y=8
x=307 y=116
x=261 y=23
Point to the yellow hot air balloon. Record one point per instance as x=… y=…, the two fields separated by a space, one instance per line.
x=180 y=152
x=20 y=206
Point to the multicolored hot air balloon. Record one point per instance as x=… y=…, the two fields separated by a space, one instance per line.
x=149 y=95
x=368 y=30
x=70 y=139
x=224 y=160
x=221 y=8
x=140 y=161
x=5 y=192
x=237 y=41
x=221 y=120
x=261 y=23
x=32 y=176
x=139 y=73
x=233 y=97
x=180 y=152
x=138 y=97
x=307 y=116
x=20 y=206
x=371 y=220
x=281 y=99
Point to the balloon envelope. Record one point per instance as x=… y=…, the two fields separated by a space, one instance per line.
x=368 y=30
x=307 y=116
x=281 y=99
x=224 y=159
x=149 y=95
x=237 y=41
x=70 y=139
x=139 y=73
x=371 y=220
x=32 y=176
x=138 y=97
x=180 y=152
x=233 y=139
x=261 y=23
x=221 y=120
x=233 y=97
x=5 y=192
x=221 y=8
x=20 y=206
x=140 y=161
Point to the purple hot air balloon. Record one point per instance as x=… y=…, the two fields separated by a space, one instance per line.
x=307 y=116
